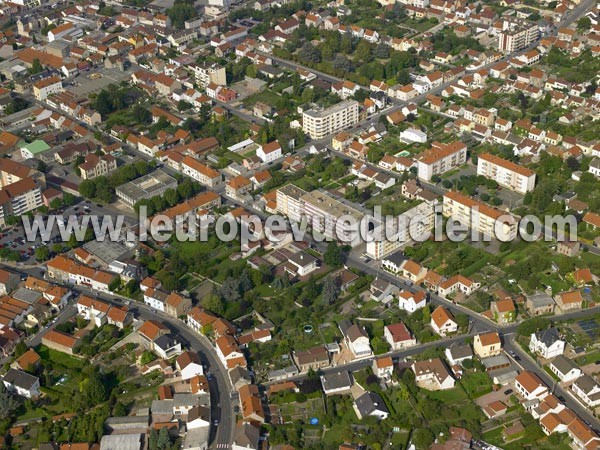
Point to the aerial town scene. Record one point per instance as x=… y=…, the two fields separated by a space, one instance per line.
x=299 y=224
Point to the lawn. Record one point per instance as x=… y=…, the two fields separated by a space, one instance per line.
x=448 y=396
x=266 y=96
x=60 y=358
x=588 y=358
x=476 y=384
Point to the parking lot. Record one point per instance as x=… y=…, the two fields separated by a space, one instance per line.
x=14 y=237
x=89 y=82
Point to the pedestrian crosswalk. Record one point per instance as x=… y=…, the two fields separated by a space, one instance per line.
x=221 y=445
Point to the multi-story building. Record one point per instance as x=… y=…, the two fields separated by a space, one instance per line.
x=323 y=213
x=289 y=203
x=148 y=186
x=410 y=225
x=46 y=87
x=320 y=122
x=200 y=172
x=209 y=73
x=19 y=198
x=479 y=216
x=506 y=173
x=518 y=37
x=12 y=171
x=95 y=166
x=441 y=158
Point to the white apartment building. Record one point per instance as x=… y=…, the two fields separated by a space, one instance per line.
x=441 y=158
x=321 y=122
x=479 y=216
x=411 y=225
x=289 y=203
x=209 y=73
x=19 y=198
x=323 y=213
x=47 y=87
x=506 y=173
x=203 y=174
x=517 y=37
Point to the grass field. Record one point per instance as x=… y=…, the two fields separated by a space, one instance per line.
x=476 y=384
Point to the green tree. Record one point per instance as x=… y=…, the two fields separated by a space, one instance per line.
x=42 y=253
x=114 y=284
x=334 y=256
x=36 y=67
x=8 y=403
x=346 y=44
x=95 y=390
x=330 y=290
x=422 y=438
x=87 y=188
x=584 y=24
x=180 y=12
x=141 y=115
x=363 y=51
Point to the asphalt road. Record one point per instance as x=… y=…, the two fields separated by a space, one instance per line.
x=220 y=386
x=527 y=363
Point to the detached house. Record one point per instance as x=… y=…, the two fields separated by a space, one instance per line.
x=443 y=322
x=458 y=283
x=356 y=339
x=432 y=375
x=398 y=336
x=569 y=301
x=412 y=271
x=504 y=311
x=588 y=390
x=530 y=387
x=188 y=364
x=269 y=152
x=487 y=344
x=565 y=369
x=22 y=383
x=410 y=302
x=547 y=343
x=383 y=367
x=370 y=404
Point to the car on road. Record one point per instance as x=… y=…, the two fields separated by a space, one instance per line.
x=508 y=392
x=511 y=353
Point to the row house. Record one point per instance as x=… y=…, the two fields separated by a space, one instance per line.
x=66 y=270
x=205 y=175
x=101 y=313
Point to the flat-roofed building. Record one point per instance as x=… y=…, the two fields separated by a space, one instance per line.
x=410 y=225
x=148 y=186
x=289 y=203
x=321 y=122
x=323 y=213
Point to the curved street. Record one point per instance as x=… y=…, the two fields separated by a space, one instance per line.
x=221 y=435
